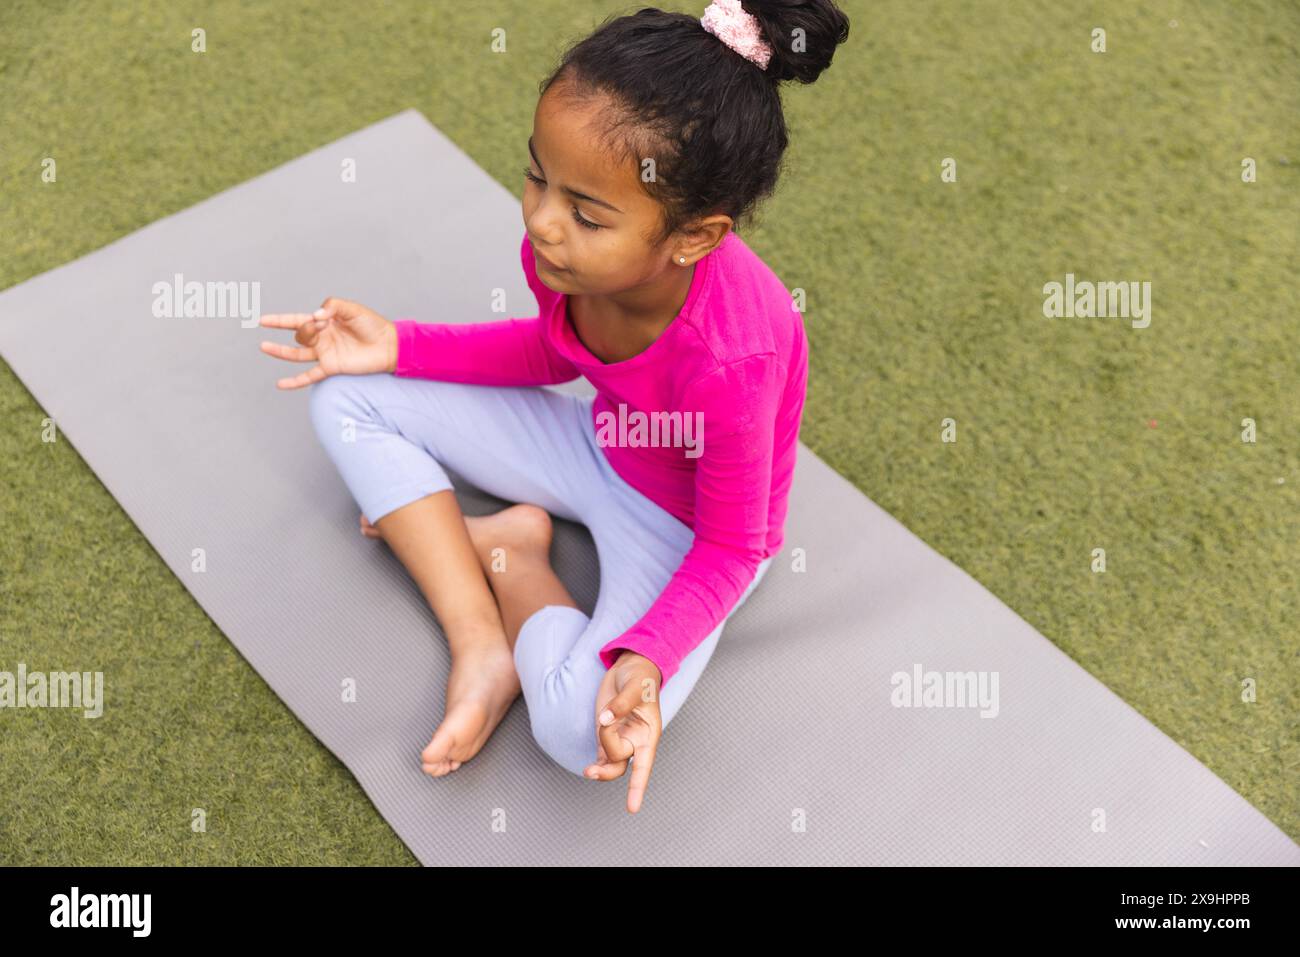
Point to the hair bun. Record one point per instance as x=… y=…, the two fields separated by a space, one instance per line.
x=803 y=35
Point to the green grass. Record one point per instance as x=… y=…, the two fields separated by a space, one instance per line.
x=924 y=302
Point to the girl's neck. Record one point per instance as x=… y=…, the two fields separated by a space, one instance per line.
x=616 y=328
x=646 y=307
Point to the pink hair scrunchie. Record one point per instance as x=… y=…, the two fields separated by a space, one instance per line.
x=729 y=22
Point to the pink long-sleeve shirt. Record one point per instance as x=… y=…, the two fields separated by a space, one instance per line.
x=734 y=360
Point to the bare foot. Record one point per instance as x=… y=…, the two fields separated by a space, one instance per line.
x=521 y=530
x=482 y=686
x=483 y=681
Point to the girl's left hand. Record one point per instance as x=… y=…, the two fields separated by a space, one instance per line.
x=629 y=694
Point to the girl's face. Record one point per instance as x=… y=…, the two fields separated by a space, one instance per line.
x=586 y=216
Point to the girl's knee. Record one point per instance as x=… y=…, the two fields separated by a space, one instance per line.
x=330 y=403
x=566 y=734
x=339 y=404
x=559 y=687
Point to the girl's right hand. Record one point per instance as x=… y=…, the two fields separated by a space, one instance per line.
x=343 y=337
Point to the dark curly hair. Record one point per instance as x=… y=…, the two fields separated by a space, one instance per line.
x=710 y=119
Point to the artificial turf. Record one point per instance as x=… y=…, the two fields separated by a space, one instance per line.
x=924 y=302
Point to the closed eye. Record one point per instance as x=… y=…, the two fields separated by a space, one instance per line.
x=577 y=217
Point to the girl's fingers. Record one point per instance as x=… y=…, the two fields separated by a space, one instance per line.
x=641 y=763
x=305 y=324
x=605 y=770
x=292 y=353
x=617 y=747
x=284 y=320
x=310 y=377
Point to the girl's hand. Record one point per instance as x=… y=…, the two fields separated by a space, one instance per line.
x=344 y=337
x=629 y=694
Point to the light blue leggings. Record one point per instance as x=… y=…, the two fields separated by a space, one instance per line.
x=390 y=438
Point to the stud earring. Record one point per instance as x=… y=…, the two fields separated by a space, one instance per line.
x=681 y=259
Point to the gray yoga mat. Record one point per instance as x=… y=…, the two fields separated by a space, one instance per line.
x=180 y=419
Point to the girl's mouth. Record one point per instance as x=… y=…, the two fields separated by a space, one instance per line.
x=543 y=261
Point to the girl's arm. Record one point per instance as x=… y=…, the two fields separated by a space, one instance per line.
x=507 y=352
x=733 y=480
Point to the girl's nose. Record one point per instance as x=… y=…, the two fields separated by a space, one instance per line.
x=544 y=224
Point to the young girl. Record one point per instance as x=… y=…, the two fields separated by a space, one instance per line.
x=651 y=139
